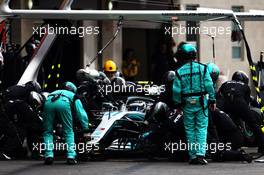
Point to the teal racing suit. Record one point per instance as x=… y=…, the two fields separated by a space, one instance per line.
x=58 y=107
x=191 y=88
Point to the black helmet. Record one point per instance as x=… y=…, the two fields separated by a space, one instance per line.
x=169 y=77
x=118 y=81
x=119 y=74
x=87 y=75
x=35 y=99
x=240 y=76
x=34 y=86
x=30 y=47
x=104 y=78
x=160 y=111
x=186 y=51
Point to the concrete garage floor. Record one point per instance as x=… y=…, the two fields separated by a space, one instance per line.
x=128 y=167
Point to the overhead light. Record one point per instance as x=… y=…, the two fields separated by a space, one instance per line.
x=110 y=5
x=30 y=4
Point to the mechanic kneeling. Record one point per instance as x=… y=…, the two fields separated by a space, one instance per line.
x=236 y=97
x=59 y=106
x=21 y=118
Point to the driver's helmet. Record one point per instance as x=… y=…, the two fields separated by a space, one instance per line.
x=137 y=106
x=34 y=86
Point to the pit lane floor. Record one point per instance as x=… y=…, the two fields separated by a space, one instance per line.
x=125 y=164
x=128 y=167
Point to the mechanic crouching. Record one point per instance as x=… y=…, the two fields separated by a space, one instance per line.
x=235 y=95
x=60 y=106
x=223 y=130
x=20 y=120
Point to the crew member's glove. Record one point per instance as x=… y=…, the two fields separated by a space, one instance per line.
x=146 y=122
